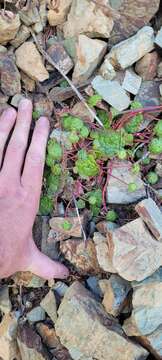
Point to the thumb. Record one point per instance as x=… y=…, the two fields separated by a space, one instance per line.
x=42 y=266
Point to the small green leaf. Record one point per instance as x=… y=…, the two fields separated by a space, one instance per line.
x=46 y=205
x=111 y=215
x=155 y=146
x=132 y=187
x=152 y=178
x=94 y=99
x=66 y=225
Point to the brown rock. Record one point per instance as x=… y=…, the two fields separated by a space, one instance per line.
x=152 y=216
x=58 y=12
x=28 y=83
x=103 y=253
x=48 y=335
x=105 y=227
x=89 y=19
x=149 y=94
x=115 y=292
x=9 y=76
x=43 y=105
x=147 y=66
x=57 y=224
x=134 y=252
x=133 y=16
x=9 y=26
x=81 y=255
x=153 y=343
x=89 y=333
x=28 y=62
x=8 y=345
x=89 y=54
x=60 y=57
x=82 y=112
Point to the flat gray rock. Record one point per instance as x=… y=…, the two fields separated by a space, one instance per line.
x=111 y=92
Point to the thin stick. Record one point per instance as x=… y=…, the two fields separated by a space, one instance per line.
x=78 y=215
x=49 y=59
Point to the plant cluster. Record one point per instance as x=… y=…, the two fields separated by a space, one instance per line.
x=85 y=160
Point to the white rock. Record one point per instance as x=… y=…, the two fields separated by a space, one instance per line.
x=127 y=52
x=117 y=190
x=132 y=82
x=158 y=39
x=111 y=92
x=89 y=54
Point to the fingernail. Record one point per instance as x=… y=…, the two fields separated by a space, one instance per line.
x=43 y=121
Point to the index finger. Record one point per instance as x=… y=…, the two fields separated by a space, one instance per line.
x=35 y=158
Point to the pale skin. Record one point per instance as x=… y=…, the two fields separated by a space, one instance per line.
x=20 y=191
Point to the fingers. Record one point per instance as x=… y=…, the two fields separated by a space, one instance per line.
x=15 y=152
x=35 y=159
x=7 y=120
x=46 y=268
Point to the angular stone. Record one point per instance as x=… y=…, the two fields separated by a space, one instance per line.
x=60 y=57
x=22 y=35
x=127 y=52
x=89 y=54
x=103 y=253
x=107 y=70
x=57 y=224
x=87 y=18
x=48 y=335
x=93 y=285
x=158 y=39
x=28 y=62
x=60 y=288
x=133 y=16
x=79 y=313
x=115 y=292
x=132 y=82
x=43 y=105
x=105 y=227
x=9 y=76
x=8 y=344
x=29 y=15
x=16 y=99
x=152 y=216
x=134 y=252
x=147 y=307
x=111 y=92
x=9 y=26
x=149 y=94
x=36 y=314
x=81 y=255
x=30 y=344
x=49 y=305
x=82 y=112
x=5 y=303
x=147 y=66
x=57 y=14
x=28 y=83
x=70 y=45
x=117 y=190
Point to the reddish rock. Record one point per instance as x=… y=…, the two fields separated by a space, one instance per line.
x=82 y=256
x=60 y=57
x=134 y=252
x=9 y=76
x=133 y=16
x=57 y=224
x=147 y=66
x=152 y=216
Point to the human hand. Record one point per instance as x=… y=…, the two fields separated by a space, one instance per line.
x=20 y=194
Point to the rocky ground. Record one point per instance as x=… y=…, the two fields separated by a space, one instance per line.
x=94 y=67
